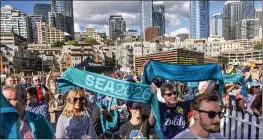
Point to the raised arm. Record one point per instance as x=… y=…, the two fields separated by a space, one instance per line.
x=48 y=78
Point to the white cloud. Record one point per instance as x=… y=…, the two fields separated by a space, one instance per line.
x=180 y=31
x=98 y=12
x=77 y=27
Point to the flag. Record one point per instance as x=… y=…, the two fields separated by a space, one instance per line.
x=9 y=118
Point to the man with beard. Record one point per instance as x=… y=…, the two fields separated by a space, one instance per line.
x=207 y=114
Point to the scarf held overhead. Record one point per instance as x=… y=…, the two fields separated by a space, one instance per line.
x=104 y=85
x=184 y=73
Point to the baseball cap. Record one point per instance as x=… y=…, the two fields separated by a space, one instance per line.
x=255 y=84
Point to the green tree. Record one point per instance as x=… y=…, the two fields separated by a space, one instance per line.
x=91 y=41
x=58 y=44
x=258 y=46
x=72 y=42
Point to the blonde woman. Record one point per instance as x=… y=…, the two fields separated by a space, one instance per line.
x=75 y=121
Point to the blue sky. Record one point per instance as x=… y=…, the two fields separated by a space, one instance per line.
x=215 y=7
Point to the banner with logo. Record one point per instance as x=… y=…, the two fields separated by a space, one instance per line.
x=184 y=73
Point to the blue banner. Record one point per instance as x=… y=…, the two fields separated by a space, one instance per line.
x=100 y=84
x=237 y=78
x=184 y=73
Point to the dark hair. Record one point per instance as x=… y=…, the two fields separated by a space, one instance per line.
x=167 y=86
x=195 y=103
x=32 y=91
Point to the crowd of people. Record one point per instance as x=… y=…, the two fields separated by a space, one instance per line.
x=187 y=109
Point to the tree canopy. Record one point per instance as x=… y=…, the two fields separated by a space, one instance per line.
x=72 y=42
x=258 y=46
x=58 y=44
x=91 y=41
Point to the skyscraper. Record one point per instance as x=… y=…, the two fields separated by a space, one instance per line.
x=248 y=9
x=117 y=27
x=65 y=7
x=34 y=20
x=42 y=9
x=158 y=16
x=199 y=19
x=231 y=15
x=146 y=7
x=13 y=20
x=258 y=15
x=216 y=26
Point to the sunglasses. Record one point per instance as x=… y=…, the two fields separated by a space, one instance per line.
x=170 y=94
x=212 y=114
x=136 y=107
x=37 y=80
x=78 y=99
x=255 y=86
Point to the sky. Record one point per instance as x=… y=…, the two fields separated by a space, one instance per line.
x=96 y=13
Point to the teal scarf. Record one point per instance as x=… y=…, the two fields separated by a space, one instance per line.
x=184 y=73
x=40 y=127
x=237 y=78
x=104 y=85
x=105 y=124
x=10 y=122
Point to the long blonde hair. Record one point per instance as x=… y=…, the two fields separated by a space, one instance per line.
x=68 y=110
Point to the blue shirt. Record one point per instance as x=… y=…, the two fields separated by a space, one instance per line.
x=38 y=108
x=25 y=85
x=174 y=119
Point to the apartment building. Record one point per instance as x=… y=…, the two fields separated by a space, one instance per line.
x=48 y=34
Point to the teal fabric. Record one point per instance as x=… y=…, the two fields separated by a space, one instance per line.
x=105 y=124
x=40 y=127
x=237 y=78
x=184 y=73
x=104 y=85
x=10 y=120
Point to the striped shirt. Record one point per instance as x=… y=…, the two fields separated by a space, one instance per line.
x=38 y=108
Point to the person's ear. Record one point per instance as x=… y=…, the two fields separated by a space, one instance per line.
x=195 y=114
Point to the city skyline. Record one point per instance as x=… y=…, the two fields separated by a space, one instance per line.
x=177 y=13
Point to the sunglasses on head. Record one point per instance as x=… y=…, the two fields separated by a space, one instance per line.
x=212 y=114
x=170 y=94
x=255 y=86
x=78 y=99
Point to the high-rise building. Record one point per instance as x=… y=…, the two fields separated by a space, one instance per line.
x=42 y=9
x=117 y=27
x=247 y=29
x=159 y=16
x=13 y=20
x=183 y=36
x=34 y=20
x=152 y=33
x=199 y=19
x=146 y=7
x=248 y=9
x=231 y=15
x=258 y=15
x=56 y=20
x=216 y=26
x=65 y=7
x=48 y=34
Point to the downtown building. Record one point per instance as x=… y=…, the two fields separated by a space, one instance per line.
x=216 y=26
x=42 y=9
x=34 y=20
x=199 y=19
x=117 y=27
x=158 y=14
x=146 y=16
x=13 y=20
x=64 y=7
